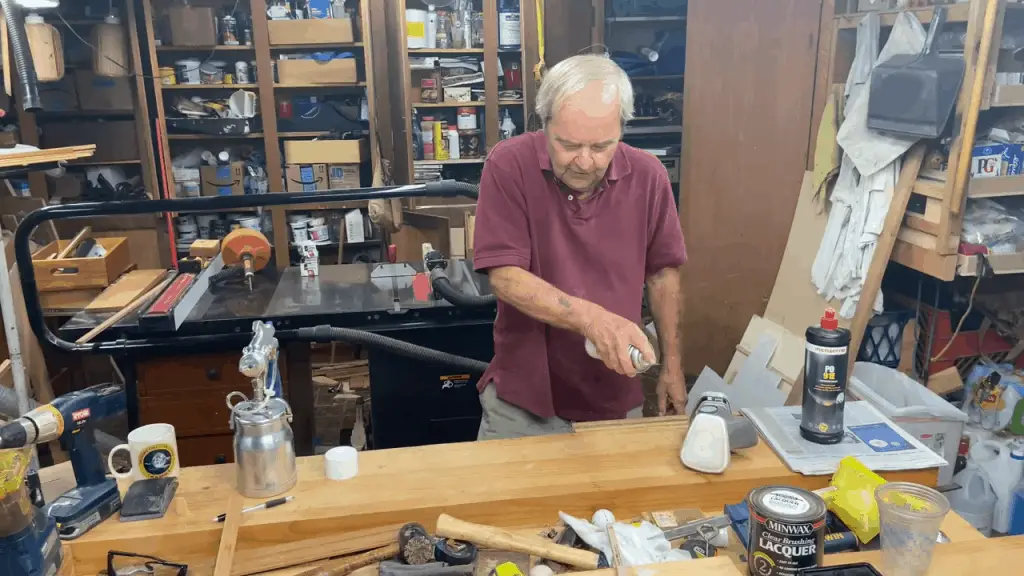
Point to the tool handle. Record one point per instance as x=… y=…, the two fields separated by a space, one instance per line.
x=938 y=21
x=496 y=538
x=82 y=234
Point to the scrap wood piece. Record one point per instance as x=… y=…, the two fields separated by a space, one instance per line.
x=229 y=536
x=125 y=290
x=884 y=245
x=675 y=421
x=349 y=564
x=30 y=157
x=117 y=317
x=314 y=552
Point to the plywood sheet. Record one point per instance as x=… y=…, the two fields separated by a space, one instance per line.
x=750 y=68
x=125 y=290
x=795 y=303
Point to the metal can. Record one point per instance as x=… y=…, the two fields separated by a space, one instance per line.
x=247 y=35
x=168 y=76
x=242 y=72
x=787 y=531
x=228 y=30
x=466 y=119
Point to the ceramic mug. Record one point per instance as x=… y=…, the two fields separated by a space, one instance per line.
x=154 y=453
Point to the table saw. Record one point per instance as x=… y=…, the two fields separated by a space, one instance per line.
x=413 y=403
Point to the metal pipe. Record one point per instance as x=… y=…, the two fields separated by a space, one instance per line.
x=33 y=308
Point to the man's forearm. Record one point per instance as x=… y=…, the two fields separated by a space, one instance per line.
x=540 y=300
x=665 y=292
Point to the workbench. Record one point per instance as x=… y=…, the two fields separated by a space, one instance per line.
x=628 y=467
x=375 y=297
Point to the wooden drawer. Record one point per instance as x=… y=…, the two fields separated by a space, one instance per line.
x=198 y=414
x=178 y=377
x=206 y=450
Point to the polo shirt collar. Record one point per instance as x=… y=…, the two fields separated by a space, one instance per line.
x=619 y=167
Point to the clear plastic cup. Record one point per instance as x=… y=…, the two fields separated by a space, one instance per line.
x=910 y=517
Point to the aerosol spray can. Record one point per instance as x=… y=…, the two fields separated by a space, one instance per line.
x=640 y=364
x=826 y=367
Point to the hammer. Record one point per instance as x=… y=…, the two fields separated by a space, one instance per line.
x=498 y=539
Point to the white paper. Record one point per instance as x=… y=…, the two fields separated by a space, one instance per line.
x=780 y=428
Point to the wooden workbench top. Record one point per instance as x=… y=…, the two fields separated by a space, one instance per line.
x=508 y=483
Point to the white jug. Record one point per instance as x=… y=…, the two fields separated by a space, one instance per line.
x=1003 y=467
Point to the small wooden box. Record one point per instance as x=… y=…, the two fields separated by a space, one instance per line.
x=337 y=71
x=78 y=273
x=310 y=32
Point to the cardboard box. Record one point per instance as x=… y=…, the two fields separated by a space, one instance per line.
x=192 y=26
x=222 y=180
x=59 y=96
x=306 y=178
x=115 y=141
x=310 y=32
x=343 y=176
x=103 y=94
x=326 y=151
x=305 y=71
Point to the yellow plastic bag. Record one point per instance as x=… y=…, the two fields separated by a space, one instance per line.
x=853 y=500
x=13 y=464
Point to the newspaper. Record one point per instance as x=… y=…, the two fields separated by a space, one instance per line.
x=870 y=437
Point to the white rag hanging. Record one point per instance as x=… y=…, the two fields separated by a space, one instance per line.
x=867 y=173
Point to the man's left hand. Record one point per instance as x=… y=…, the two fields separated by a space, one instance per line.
x=671 y=389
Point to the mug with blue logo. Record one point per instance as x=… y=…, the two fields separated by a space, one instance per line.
x=154 y=453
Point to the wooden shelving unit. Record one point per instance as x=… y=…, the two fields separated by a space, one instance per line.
x=268 y=139
x=491 y=108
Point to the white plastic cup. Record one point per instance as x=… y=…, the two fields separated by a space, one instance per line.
x=342 y=463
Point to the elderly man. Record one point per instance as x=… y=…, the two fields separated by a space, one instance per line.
x=571 y=223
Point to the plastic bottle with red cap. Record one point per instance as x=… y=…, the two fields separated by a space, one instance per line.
x=826 y=368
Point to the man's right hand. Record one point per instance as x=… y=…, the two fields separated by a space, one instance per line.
x=612 y=336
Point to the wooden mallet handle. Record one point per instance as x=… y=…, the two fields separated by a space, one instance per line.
x=82 y=235
x=498 y=539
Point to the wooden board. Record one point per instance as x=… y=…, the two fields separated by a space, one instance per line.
x=504 y=483
x=744 y=152
x=64 y=154
x=795 y=303
x=125 y=290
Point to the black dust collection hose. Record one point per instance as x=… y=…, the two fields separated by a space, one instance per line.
x=370 y=339
x=443 y=286
x=28 y=83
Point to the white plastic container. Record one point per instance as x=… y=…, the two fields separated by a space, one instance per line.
x=1003 y=467
x=975 y=502
x=921 y=412
x=416 y=28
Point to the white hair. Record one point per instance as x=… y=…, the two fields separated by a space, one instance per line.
x=573 y=74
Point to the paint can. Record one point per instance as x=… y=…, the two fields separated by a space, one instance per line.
x=242 y=72
x=319 y=234
x=787 y=531
x=826 y=366
x=187 y=71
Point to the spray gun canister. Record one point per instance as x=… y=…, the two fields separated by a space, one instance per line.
x=640 y=364
x=826 y=367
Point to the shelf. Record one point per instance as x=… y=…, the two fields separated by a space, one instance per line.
x=302 y=134
x=217 y=48
x=249 y=136
x=510 y=102
x=645 y=130
x=444 y=51
x=448 y=104
x=330 y=85
x=646 y=19
x=316 y=47
x=995 y=187
x=1000 y=264
x=209 y=86
x=447 y=162
x=57 y=115
x=959 y=12
x=98 y=163
x=1007 y=95
x=672 y=77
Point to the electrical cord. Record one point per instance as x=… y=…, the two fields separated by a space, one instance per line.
x=395 y=346
x=960 y=324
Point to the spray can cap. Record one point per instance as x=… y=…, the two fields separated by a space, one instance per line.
x=829 y=320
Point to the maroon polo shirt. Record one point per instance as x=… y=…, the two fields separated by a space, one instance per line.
x=600 y=250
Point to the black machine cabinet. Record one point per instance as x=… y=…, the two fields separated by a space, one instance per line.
x=415 y=403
